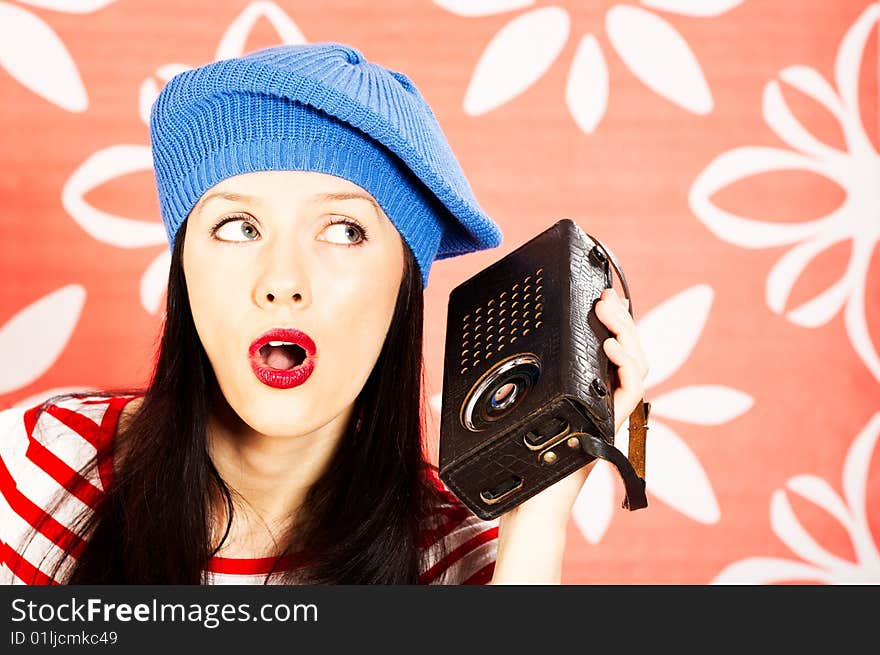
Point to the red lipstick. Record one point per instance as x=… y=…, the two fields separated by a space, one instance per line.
x=292 y=349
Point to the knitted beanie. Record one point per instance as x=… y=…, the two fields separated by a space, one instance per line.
x=319 y=107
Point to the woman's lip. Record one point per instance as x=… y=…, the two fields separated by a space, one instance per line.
x=290 y=335
x=281 y=379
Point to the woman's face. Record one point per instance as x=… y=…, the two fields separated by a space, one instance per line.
x=291 y=249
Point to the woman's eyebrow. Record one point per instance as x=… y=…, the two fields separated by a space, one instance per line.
x=228 y=195
x=338 y=195
x=349 y=195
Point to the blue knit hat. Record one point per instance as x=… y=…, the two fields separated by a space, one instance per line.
x=319 y=107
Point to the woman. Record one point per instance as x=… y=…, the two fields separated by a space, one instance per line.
x=305 y=192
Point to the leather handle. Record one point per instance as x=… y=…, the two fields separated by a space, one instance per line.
x=638 y=421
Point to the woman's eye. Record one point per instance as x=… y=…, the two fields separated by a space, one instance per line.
x=232 y=229
x=349 y=233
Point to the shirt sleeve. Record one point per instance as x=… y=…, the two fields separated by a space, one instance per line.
x=41 y=453
x=13 y=502
x=471 y=547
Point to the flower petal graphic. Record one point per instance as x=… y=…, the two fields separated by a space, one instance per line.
x=595 y=503
x=69 y=6
x=150 y=88
x=786 y=526
x=855 y=489
x=788 y=128
x=35 y=337
x=154 y=282
x=849 y=57
x=767 y=570
x=809 y=82
x=516 y=57
x=36 y=57
x=675 y=476
x=820 y=493
x=658 y=55
x=707 y=404
x=470 y=8
x=670 y=331
x=101 y=167
x=694 y=7
x=233 y=42
x=735 y=165
x=586 y=89
x=854 y=316
x=866 y=568
x=788 y=269
x=822 y=308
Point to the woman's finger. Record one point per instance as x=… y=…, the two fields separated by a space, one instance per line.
x=631 y=389
x=628 y=367
x=617 y=319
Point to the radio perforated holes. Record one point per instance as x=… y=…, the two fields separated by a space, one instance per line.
x=515 y=287
x=525 y=331
x=512 y=339
x=491 y=302
x=538 y=324
x=515 y=295
x=539 y=271
x=464 y=370
x=515 y=313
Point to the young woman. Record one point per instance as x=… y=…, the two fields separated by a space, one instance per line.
x=305 y=192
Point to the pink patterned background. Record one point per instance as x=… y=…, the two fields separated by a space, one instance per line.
x=725 y=150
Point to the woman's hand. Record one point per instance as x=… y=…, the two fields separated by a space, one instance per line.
x=532 y=535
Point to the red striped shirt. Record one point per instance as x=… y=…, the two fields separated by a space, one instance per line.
x=40 y=457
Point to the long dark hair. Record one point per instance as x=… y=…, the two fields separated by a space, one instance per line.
x=361 y=520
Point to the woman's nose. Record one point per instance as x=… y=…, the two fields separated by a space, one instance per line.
x=284 y=281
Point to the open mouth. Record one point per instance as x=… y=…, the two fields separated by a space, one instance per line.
x=281 y=356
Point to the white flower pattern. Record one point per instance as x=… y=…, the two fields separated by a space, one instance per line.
x=817 y=564
x=673 y=473
x=856 y=170
x=33 y=339
x=528 y=45
x=36 y=56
